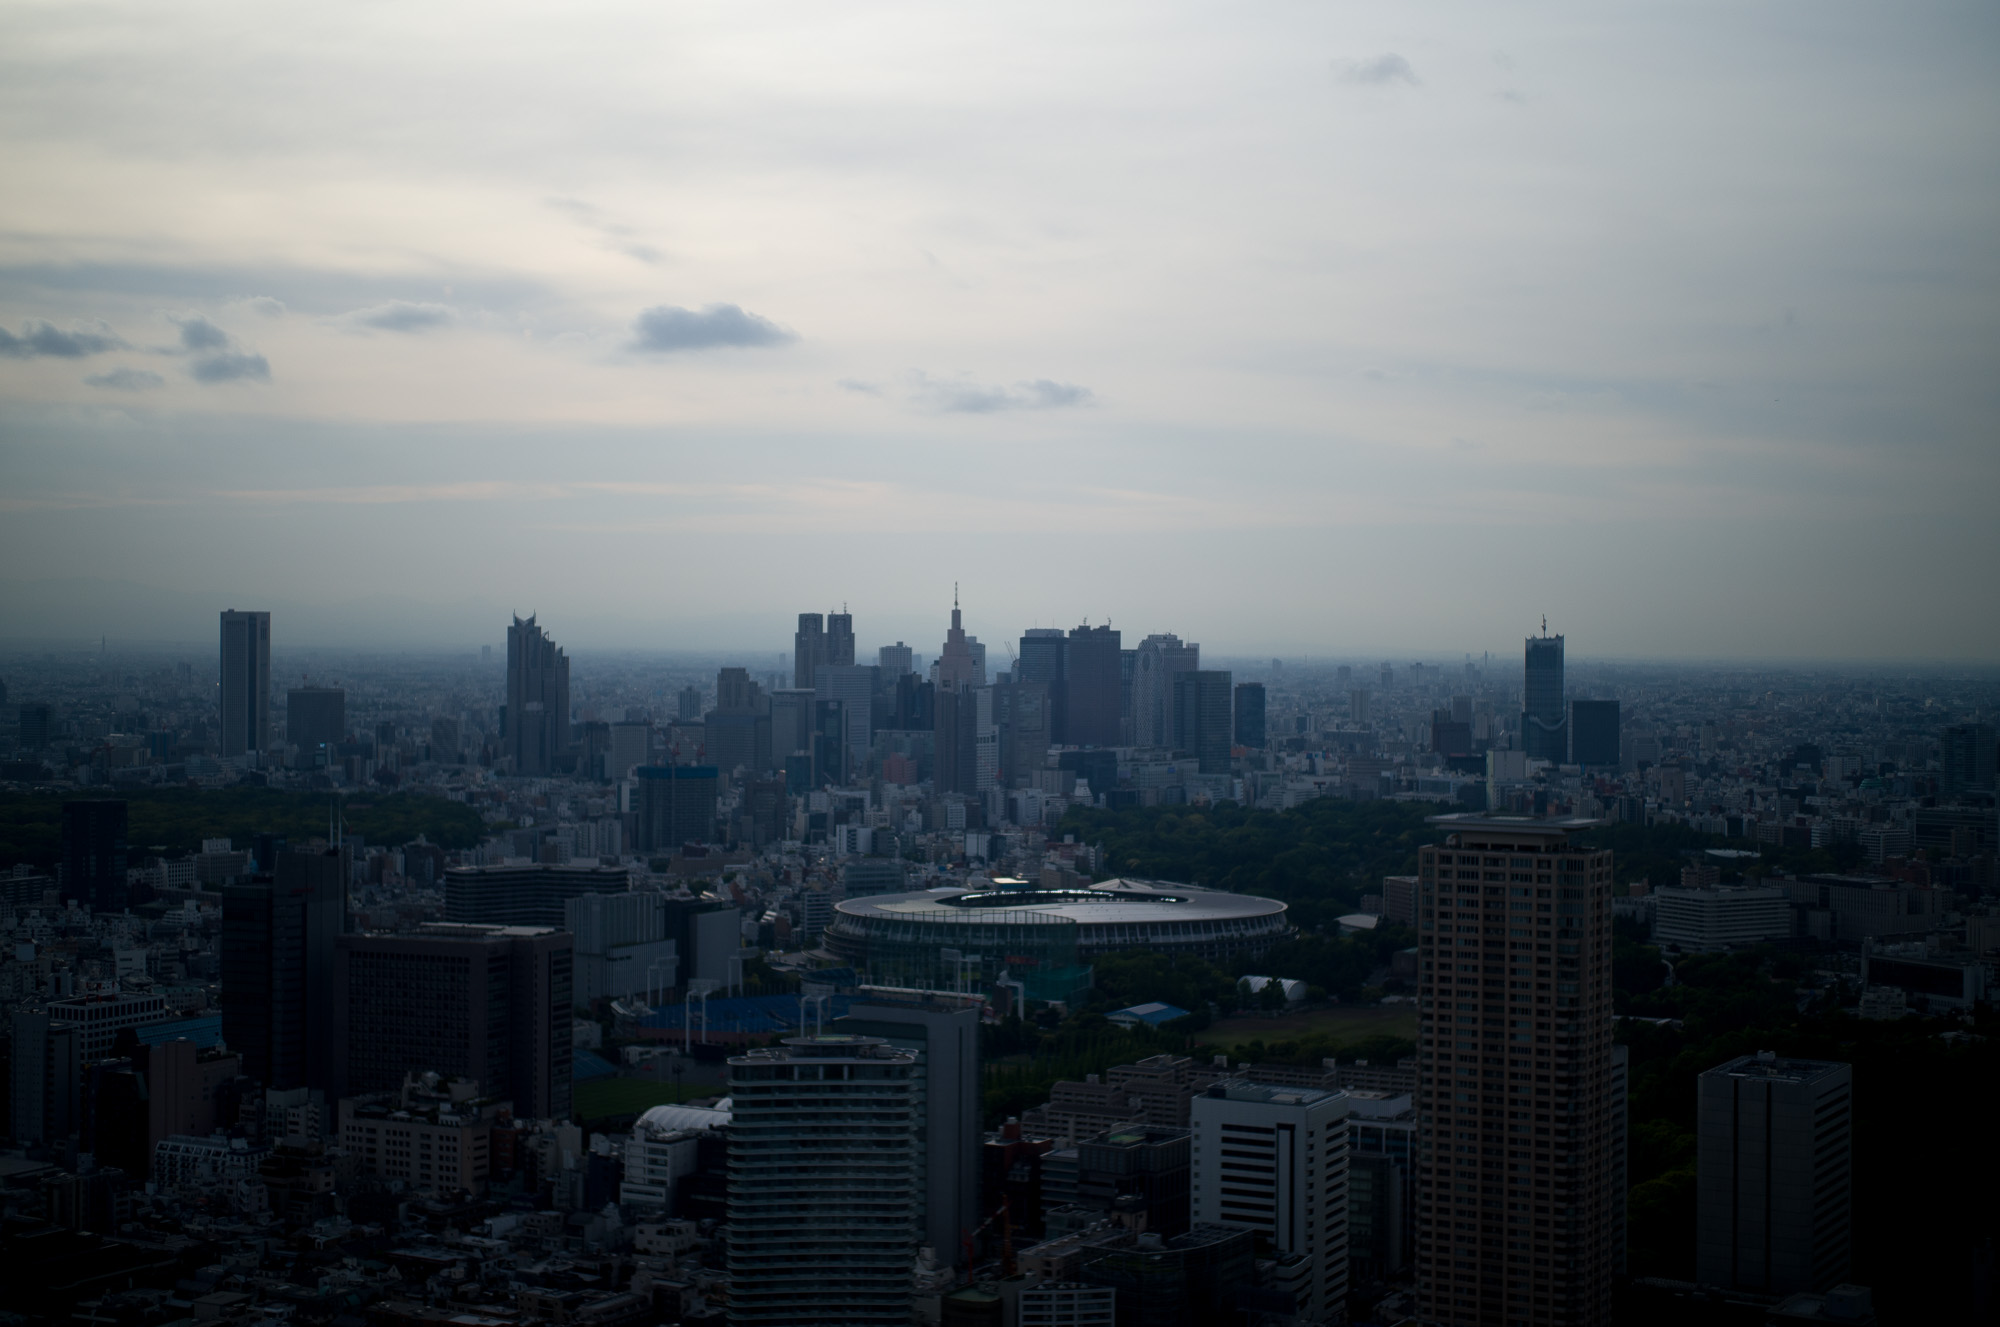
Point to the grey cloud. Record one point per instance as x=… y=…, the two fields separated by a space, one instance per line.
x=321 y=292
x=198 y=333
x=231 y=366
x=403 y=316
x=41 y=338
x=969 y=398
x=216 y=356
x=1377 y=71
x=667 y=328
x=126 y=380
x=856 y=385
x=616 y=237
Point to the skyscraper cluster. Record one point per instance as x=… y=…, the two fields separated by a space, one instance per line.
x=803 y=893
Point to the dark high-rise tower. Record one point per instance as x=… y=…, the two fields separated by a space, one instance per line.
x=808 y=649
x=1090 y=709
x=277 y=967
x=1521 y=1148
x=1593 y=733
x=1250 y=714
x=537 y=699
x=245 y=698
x=1967 y=754
x=826 y=1197
x=1774 y=1187
x=37 y=725
x=1202 y=718
x=1155 y=664
x=840 y=639
x=315 y=717
x=1544 y=726
x=93 y=848
x=1041 y=656
x=675 y=804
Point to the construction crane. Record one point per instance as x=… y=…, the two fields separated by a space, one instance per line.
x=1006 y=1220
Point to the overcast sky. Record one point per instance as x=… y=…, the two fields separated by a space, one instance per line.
x=1290 y=328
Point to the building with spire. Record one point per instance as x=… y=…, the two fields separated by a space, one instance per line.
x=1544 y=718
x=957 y=668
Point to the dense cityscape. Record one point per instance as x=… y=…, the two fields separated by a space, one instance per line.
x=1073 y=979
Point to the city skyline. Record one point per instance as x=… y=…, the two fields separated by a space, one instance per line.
x=301 y=632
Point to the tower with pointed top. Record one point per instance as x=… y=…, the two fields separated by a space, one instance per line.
x=957 y=667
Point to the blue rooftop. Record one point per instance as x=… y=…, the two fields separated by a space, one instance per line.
x=1153 y=1015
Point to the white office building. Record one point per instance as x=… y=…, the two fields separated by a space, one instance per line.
x=621 y=945
x=1719 y=917
x=663 y=1149
x=1275 y=1159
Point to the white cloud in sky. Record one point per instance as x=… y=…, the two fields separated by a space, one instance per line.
x=1554 y=311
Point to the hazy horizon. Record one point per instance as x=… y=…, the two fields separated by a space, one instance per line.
x=1368 y=330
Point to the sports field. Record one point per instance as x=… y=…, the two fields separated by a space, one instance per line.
x=1341 y=1024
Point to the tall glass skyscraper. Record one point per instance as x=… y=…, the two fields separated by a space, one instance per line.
x=1544 y=725
x=824 y=1201
x=245 y=699
x=537 y=699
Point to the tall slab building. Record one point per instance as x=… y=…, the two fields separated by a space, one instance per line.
x=825 y=1198
x=537 y=699
x=1521 y=1094
x=943 y=1032
x=244 y=699
x=1159 y=659
x=278 y=933
x=1774 y=1174
x=1091 y=708
x=1544 y=721
x=94 y=853
x=1203 y=721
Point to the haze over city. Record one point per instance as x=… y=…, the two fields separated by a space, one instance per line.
x=1317 y=330
x=892 y=665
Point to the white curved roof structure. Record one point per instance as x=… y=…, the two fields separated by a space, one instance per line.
x=673 y=1119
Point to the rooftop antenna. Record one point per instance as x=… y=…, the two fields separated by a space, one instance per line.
x=1545 y=624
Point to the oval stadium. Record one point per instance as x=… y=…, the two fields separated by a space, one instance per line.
x=959 y=938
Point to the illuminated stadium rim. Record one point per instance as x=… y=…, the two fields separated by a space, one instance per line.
x=1049 y=898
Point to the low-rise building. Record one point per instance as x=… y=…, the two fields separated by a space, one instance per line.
x=437 y=1133
x=664 y=1148
x=1709 y=918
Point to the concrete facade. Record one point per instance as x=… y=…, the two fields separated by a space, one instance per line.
x=1774 y=1174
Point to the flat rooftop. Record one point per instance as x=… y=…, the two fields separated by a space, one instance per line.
x=1242 y=1089
x=1777 y=1068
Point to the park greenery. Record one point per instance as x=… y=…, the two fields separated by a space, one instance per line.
x=177 y=820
